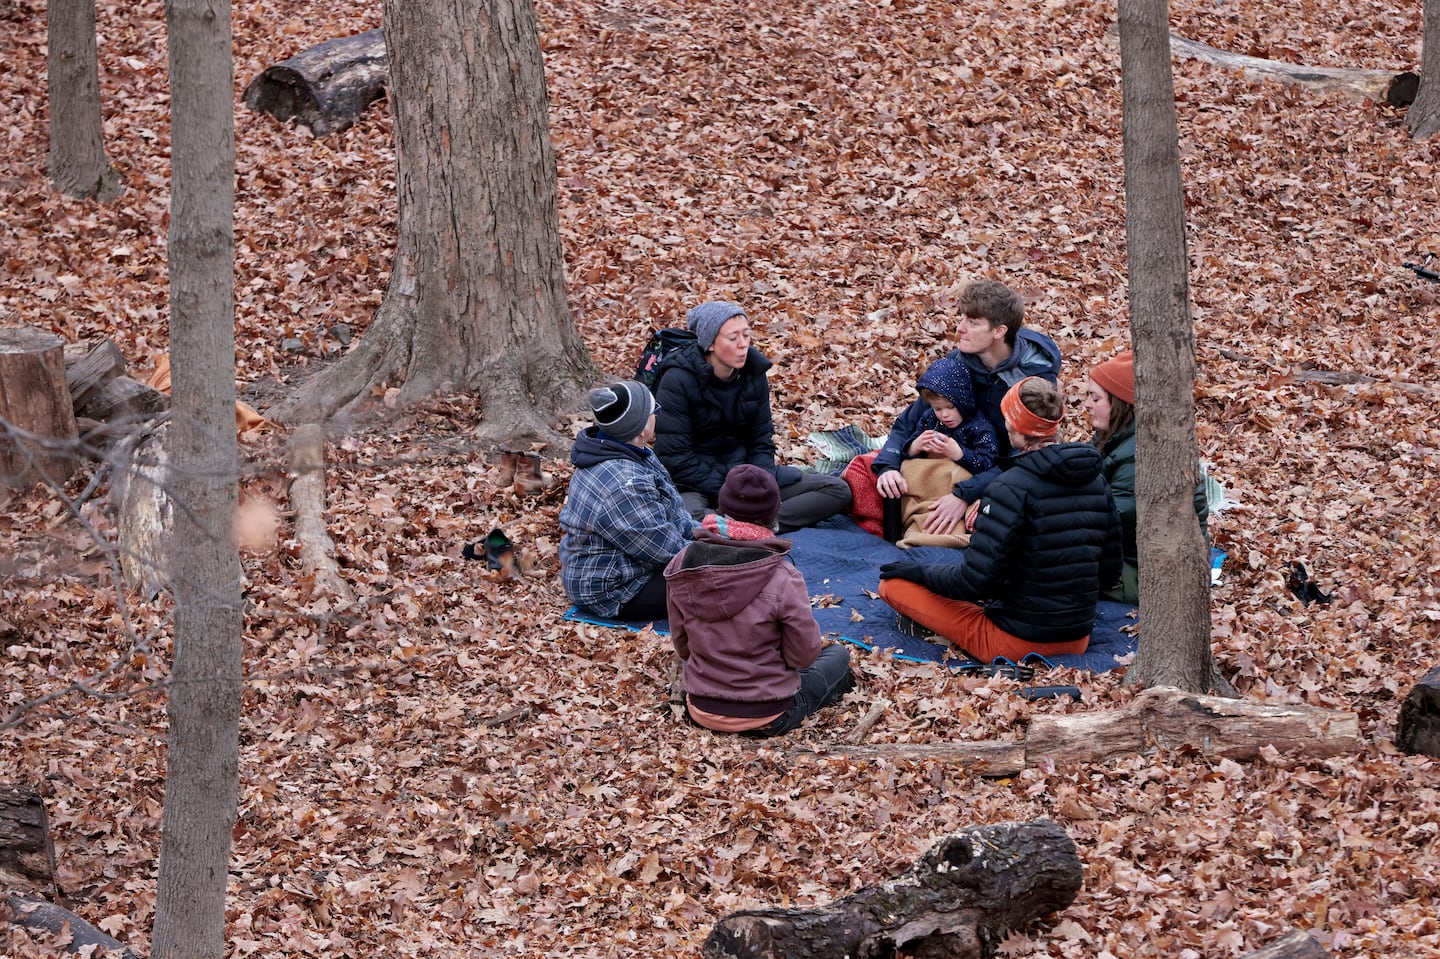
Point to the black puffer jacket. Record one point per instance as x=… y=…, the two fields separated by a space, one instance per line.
x=706 y=425
x=1046 y=539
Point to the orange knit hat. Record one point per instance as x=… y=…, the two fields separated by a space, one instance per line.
x=1116 y=376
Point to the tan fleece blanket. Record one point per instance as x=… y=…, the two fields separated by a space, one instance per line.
x=928 y=480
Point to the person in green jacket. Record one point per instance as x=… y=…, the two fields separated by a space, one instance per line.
x=1110 y=404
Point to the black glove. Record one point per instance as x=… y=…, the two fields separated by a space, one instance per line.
x=905 y=569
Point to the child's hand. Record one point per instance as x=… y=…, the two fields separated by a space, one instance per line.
x=917 y=446
x=939 y=444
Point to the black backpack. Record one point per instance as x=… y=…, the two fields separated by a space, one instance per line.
x=660 y=345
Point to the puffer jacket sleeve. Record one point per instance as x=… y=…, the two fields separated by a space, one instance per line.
x=760 y=444
x=1121 y=477
x=907 y=426
x=992 y=547
x=799 y=633
x=675 y=427
x=977 y=437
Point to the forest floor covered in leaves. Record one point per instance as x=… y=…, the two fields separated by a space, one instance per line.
x=447 y=768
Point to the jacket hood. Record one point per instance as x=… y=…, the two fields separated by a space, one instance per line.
x=1066 y=464
x=949 y=378
x=717 y=578
x=592 y=447
x=1034 y=352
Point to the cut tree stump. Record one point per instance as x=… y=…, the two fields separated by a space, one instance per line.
x=1418 y=730
x=326 y=87
x=1396 y=89
x=27 y=856
x=959 y=900
x=37 y=419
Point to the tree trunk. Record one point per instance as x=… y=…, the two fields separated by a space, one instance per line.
x=326 y=87
x=201 y=763
x=958 y=901
x=477 y=289
x=1175 y=576
x=37 y=421
x=1423 y=119
x=77 y=163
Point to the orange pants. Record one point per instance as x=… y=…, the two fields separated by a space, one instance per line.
x=966 y=625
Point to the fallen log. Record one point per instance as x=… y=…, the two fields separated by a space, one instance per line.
x=307 y=494
x=1418 y=730
x=325 y=87
x=37 y=420
x=79 y=937
x=1384 y=86
x=1294 y=945
x=1174 y=719
x=145 y=511
x=27 y=855
x=991 y=759
x=88 y=366
x=123 y=403
x=958 y=900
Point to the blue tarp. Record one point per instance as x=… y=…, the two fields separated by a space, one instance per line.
x=841 y=563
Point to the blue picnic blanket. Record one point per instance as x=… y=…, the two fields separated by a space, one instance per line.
x=841 y=563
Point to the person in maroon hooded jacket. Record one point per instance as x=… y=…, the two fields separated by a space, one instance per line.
x=740 y=619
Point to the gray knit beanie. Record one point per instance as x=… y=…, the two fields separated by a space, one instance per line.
x=622 y=409
x=706 y=319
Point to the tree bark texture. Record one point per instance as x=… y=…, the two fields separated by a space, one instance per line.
x=307 y=493
x=1175 y=577
x=27 y=855
x=1423 y=119
x=37 y=421
x=77 y=164
x=326 y=87
x=959 y=901
x=145 y=508
x=477 y=289
x=1418 y=730
x=201 y=769
x=42 y=916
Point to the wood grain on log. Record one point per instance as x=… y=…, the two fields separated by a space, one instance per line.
x=123 y=403
x=1174 y=719
x=37 y=419
x=90 y=365
x=141 y=492
x=959 y=900
x=326 y=87
x=1418 y=730
x=78 y=935
x=27 y=856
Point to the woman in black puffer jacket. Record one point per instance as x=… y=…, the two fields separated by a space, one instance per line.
x=714 y=414
x=1046 y=537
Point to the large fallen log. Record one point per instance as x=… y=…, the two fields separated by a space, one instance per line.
x=73 y=935
x=959 y=901
x=1418 y=730
x=326 y=87
x=1396 y=89
x=1174 y=719
x=1157 y=718
x=1294 y=945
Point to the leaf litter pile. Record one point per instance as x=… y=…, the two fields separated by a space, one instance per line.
x=446 y=768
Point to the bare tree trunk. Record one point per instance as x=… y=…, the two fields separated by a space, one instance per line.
x=1175 y=581
x=201 y=769
x=1423 y=119
x=77 y=164
x=477 y=290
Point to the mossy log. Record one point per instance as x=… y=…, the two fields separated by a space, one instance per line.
x=959 y=900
